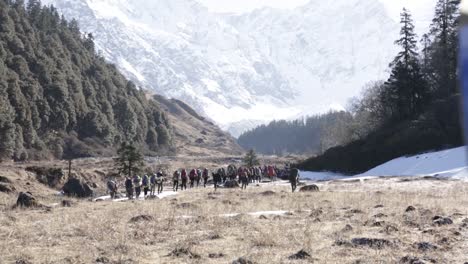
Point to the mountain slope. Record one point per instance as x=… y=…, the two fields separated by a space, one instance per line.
x=59 y=99
x=238 y=69
x=194 y=134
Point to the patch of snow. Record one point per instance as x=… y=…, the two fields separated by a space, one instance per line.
x=321 y=176
x=444 y=162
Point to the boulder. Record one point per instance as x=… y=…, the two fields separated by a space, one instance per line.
x=242 y=261
x=6 y=188
x=77 y=188
x=48 y=176
x=231 y=184
x=309 y=188
x=374 y=243
x=302 y=254
x=410 y=209
x=439 y=220
x=4 y=179
x=141 y=218
x=26 y=200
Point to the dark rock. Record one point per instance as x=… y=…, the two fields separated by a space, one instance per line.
x=6 y=188
x=425 y=246
x=231 y=184
x=379 y=206
x=184 y=252
x=267 y=193
x=411 y=260
x=77 y=188
x=48 y=176
x=22 y=261
x=410 y=209
x=200 y=141
x=186 y=206
x=356 y=211
x=26 y=199
x=103 y=260
x=242 y=261
x=263 y=217
x=302 y=254
x=141 y=218
x=380 y=215
x=215 y=255
x=374 y=243
x=5 y=179
x=439 y=220
x=67 y=203
x=316 y=212
x=309 y=188
x=342 y=243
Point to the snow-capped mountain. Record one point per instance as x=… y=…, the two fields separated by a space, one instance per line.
x=240 y=69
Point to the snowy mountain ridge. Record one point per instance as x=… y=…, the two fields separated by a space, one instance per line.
x=240 y=69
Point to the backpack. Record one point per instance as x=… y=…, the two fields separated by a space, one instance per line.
x=145 y=180
x=153 y=179
x=293 y=174
x=136 y=179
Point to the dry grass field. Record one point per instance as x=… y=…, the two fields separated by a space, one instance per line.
x=191 y=227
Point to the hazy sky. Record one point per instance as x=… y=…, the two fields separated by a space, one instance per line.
x=246 y=5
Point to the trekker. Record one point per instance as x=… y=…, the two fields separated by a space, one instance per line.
x=217 y=179
x=175 y=180
x=152 y=184
x=198 y=177
x=244 y=179
x=192 y=175
x=160 y=181
x=205 y=177
x=145 y=184
x=112 y=188
x=129 y=188
x=184 y=180
x=223 y=175
x=137 y=184
x=293 y=178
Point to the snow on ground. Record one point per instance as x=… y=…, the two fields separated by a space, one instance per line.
x=441 y=163
x=450 y=163
x=159 y=196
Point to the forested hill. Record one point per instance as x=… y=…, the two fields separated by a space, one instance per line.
x=59 y=98
x=311 y=135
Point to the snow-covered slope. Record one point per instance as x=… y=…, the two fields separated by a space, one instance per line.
x=443 y=163
x=244 y=68
x=450 y=163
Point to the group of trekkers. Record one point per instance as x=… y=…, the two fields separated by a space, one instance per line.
x=194 y=178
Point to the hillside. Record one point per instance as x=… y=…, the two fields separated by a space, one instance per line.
x=194 y=134
x=60 y=99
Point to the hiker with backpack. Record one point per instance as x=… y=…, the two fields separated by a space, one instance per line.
x=206 y=175
x=137 y=185
x=294 y=178
x=160 y=181
x=217 y=178
x=129 y=187
x=198 y=177
x=152 y=184
x=145 y=185
x=184 y=180
x=192 y=176
x=243 y=178
x=112 y=188
x=175 y=180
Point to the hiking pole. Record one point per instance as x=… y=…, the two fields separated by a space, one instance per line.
x=463 y=65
